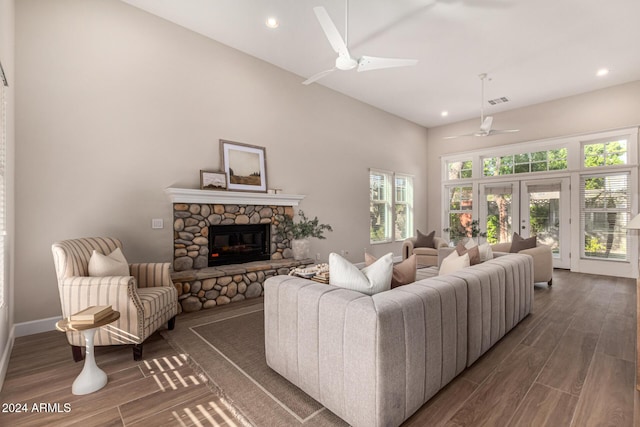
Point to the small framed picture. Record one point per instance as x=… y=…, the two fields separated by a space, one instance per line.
x=213 y=180
x=245 y=166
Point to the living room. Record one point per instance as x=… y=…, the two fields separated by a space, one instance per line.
x=112 y=105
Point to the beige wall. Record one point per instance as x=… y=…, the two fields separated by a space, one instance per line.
x=614 y=107
x=114 y=105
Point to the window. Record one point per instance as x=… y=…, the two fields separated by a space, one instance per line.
x=539 y=161
x=606 y=209
x=605 y=153
x=390 y=207
x=403 y=207
x=459 y=169
x=380 y=206
x=460 y=208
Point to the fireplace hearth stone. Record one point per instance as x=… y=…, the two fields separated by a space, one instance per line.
x=214 y=286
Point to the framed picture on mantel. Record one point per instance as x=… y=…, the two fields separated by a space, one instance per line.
x=245 y=166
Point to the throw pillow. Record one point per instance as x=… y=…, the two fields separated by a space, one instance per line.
x=474 y=253
x=403 y=273
x=486 y=253
x=470 y=243
x=453 y=262
x=424 y=240
x=114 y=264
x=370 y=280
x=518 y=243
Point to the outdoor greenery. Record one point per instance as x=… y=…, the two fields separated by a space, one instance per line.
x=458 y=231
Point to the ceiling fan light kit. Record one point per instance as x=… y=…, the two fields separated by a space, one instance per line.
x=344 y=61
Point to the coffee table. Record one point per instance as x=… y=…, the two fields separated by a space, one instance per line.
x=91 y=378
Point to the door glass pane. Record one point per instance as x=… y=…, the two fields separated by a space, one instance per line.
x=544 y=216
x=499 y=214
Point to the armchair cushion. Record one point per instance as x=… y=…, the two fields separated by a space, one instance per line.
x=114 y=264
x=424 y=240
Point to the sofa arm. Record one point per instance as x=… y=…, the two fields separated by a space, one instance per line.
x=151 y=275
x=79 y=292
x=542 y=262
x=407 y=248
x=501 y=247
x=439 y=242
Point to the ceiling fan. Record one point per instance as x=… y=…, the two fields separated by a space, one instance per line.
x=344 y=61
x=485 y=122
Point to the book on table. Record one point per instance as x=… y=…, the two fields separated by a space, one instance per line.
x=91 y=314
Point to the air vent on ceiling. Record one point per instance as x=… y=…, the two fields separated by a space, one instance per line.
x=501 y=100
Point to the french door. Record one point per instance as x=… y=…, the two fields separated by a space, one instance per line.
x=539 y=207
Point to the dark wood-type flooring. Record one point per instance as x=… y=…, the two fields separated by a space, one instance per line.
x=570 y=363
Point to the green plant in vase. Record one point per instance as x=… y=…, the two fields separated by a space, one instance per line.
x=300 y=232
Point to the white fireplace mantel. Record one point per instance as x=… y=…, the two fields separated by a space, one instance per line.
x=189 y=195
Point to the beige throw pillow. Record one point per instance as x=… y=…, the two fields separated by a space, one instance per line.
x=403 y=273
x=486 y=253
x=453 y=262
x=474 y=253
x=370 y=280
x=113 y=264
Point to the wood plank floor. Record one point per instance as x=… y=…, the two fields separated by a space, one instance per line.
x=569 y=363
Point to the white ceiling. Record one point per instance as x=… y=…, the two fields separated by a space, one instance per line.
x=533 y=50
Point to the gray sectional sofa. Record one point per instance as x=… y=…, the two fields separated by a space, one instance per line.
x=375 y=360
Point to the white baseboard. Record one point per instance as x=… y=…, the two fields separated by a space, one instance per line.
x=6 y=355
x=36 y=326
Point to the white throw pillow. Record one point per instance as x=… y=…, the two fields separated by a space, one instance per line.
x=453 y=262
x=113 y=264
x=486 y=253
x=370 y=280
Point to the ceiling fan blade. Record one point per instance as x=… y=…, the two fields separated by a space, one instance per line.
x=458 y=136
x=318 y=76
x=486 y=125
x=499 y=131
x=368 y=63
x=330 y=30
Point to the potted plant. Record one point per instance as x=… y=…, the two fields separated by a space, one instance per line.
x=300 y=232
x=472 y=230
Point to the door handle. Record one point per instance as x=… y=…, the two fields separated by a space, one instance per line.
x=523 y=227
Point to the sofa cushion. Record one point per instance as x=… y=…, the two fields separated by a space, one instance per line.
x=454 y=262
x=474 y=253
x=403 y=273
x=424 y=240
x=370 y=280
x=114 y=264
x=518 y=243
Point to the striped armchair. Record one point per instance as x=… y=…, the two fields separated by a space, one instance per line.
x=146 y=299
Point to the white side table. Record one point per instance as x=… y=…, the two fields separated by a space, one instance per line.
x=91 y=378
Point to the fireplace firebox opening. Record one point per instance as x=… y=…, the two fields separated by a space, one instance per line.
x=234 y=244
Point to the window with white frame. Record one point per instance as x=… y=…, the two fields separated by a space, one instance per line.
x=459 y=210
x=390 y=206
x=403 y=206
x=459 y=169
x=605 y=153
x=527 y=162
x=605 y=211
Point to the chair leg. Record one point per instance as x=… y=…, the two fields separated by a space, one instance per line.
x=137 y=352
x=550 y=282
x=77 y=353
x=172 y=323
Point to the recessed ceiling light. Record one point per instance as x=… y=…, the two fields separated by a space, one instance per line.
x=602 y=72
x=444 y=113
x=272 y=22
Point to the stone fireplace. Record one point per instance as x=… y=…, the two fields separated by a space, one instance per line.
x=209 y=224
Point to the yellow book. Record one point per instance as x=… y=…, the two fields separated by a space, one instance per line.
x=91 y=314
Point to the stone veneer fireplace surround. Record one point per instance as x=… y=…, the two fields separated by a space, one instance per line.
x=194 y=211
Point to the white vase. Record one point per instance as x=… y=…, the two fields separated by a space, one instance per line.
x=300 y=248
